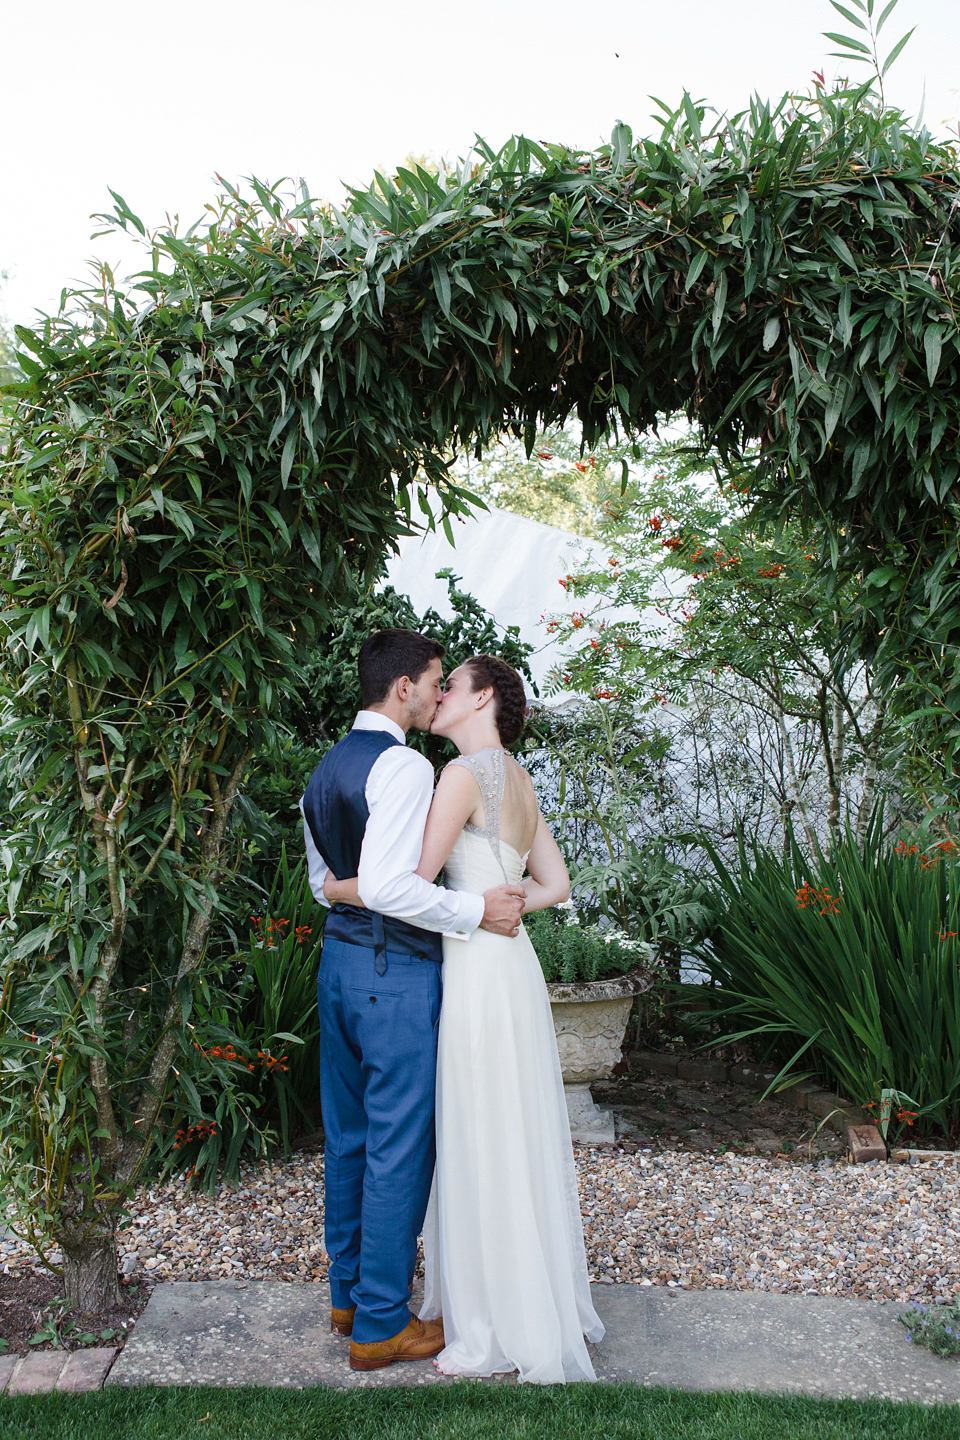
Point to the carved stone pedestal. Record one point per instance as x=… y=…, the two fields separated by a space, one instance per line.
x=590 y=1021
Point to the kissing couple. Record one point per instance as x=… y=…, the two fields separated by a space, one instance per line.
x=448 y=1120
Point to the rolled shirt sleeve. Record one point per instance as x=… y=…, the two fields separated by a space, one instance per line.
x=398 y=793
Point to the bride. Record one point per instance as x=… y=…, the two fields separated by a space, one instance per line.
x=503 y=1240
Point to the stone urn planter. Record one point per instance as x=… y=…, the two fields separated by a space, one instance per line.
x=591 y=1020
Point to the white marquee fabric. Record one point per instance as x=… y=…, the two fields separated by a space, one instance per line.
x=512 y=566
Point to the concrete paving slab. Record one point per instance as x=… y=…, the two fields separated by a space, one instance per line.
x=749 y=1340
x=38 y=1373
x=7 y=1366
x=271 y=1333
x=263 y=1332
x=86 y=1369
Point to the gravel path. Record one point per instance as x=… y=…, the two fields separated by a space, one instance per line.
x=657 y=1218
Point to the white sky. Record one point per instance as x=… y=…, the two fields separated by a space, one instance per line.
x=154 y=99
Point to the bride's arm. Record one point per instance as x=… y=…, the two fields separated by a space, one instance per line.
x=548 y=882
x=455 y=799
x=341 y=892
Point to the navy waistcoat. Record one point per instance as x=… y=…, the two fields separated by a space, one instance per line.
x=335 y=808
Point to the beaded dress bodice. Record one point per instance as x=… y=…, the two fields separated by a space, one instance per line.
x=468 y=866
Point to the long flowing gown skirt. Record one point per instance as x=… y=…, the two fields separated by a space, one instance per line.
x=503 y=1239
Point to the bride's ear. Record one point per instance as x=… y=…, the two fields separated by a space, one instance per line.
x=483 y=697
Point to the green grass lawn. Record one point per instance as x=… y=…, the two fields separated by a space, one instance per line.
x=462 y=1412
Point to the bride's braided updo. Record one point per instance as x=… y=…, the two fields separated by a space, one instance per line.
x=509 y=698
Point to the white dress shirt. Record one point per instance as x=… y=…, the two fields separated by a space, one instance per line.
x=398 y=792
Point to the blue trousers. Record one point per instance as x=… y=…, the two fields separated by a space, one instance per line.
x=378 y=1070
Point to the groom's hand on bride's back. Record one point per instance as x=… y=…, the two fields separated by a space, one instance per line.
x=502 y=909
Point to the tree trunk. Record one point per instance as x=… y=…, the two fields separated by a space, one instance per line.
x=90 y=1280
x=870 y=774
x=792 y=784
x=835 y=769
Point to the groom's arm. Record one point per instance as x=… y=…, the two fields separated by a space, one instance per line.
x=316 y=865
x=399 y=791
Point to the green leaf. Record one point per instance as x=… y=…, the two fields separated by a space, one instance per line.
x=933 y=346
x=441 y=284
x=180 y=518
x=289 y=451
x=840 y=247
x=895 y=52
x=873 y=391
x=29 y=366
x=833 y=411
x=882 y=575
x=845 y=317
x=696 y=266
x=309 y=542
x=169 y=610
x=279 y=522
x=620 y=143
x=328 y=322
x=719 y=301
x=28 y=338
x=43 y=626
x=849 y=15
x=246 y=481
x=771 y=332
x=887 y=10
x=849 y=43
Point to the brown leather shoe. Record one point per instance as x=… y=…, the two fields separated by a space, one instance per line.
x=341 y=1321
x=418 y=1341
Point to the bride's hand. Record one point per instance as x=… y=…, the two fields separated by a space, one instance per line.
x=341 y=892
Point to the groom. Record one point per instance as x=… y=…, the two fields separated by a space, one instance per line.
x=379 y=990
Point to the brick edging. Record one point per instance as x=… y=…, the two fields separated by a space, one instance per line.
x=838 y=1112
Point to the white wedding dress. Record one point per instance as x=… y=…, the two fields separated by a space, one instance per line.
x=503 y=1239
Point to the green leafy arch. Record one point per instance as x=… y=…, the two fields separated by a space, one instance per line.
x=787 y=279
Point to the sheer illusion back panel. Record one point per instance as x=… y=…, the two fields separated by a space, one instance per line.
x=510 y=811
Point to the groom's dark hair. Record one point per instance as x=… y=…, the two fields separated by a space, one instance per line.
x=387 y=654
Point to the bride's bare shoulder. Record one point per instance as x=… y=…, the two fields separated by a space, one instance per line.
x=457 y=777
x=518 y=771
